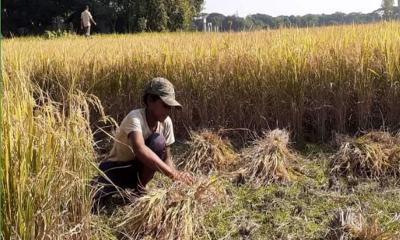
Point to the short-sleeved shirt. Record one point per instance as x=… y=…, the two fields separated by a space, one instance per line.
x=86 y=16
x=136 y=121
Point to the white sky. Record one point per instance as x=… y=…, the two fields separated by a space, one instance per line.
x=290 y=7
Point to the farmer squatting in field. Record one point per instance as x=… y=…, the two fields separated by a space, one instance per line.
x=142 y=145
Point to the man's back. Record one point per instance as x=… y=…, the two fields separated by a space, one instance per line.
x=86 y=16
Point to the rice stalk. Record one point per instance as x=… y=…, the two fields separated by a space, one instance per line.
x=373 y=155
x=170 y=212
x=207 y=153
x=349 y=224
x=48 y=156
x=315 y=81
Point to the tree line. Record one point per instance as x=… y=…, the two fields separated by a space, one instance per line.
x=30 y=17
x=216 y=21
x=262 y=21
x=23 y=17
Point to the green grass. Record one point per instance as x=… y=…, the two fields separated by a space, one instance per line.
x=301 y=210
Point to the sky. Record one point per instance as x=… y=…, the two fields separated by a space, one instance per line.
x=289 y=7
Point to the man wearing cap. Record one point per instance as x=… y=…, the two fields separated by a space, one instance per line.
x=142 y=144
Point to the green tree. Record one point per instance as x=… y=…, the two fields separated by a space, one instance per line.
x=398 y=9
x=387 y=6
x=157 y=15
x=197 y=6
x=180 y=14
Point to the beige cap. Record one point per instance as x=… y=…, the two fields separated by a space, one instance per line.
x=164 y=89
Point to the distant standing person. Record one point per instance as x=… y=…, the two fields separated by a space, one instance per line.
x=86 y=18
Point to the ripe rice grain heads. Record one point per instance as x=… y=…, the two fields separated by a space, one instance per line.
x=373 y=155
x=269 y=159
x=207 y=153
x=170 y=211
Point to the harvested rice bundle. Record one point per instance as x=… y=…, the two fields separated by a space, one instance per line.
x=351 y=224
x=170 y=212
x=270 y=159
x=208 y=152
x=372 y=155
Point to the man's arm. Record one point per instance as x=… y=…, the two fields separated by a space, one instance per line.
x=91 y=19
x=148 y=157
x=151 y=160
x=183 y=176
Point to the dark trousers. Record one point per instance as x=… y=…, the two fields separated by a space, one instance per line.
x=123 y=174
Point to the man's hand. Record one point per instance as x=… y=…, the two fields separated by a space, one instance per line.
x=184 y=177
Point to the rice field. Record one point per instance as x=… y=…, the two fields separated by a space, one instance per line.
x=284 y=184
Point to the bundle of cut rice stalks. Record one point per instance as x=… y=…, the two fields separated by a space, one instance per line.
x=270 y=159
x=208 y=152
x=373 y=155
x=352 y=224
x=170 y=212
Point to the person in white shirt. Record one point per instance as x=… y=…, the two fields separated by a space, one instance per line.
x=86 y=19
x=142 y=145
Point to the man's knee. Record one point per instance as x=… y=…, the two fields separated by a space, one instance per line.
x=156 y=143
